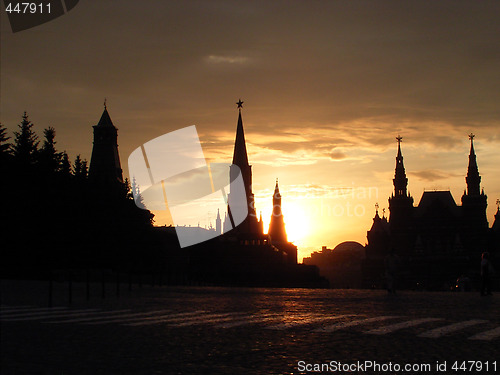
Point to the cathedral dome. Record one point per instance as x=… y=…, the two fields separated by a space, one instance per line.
x=350 y=246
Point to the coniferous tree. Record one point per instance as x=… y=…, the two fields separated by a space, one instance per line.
x=49 y=158
x=136 y=194
x=128 y=189
x=5 y=147
x=77 y=166
x=65 y=164
x=84 y=170
x=25 y=143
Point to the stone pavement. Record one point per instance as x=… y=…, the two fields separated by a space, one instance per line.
x=188 y=330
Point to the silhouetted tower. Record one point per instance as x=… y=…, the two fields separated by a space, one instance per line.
x=105 y=168
x=401 y=208
x=277 y=224
x=218 y=223
x=376 y=249
x=400 y=180
x=473 y=179
x=474 y=203
x=277 y=231
x=240 y=158
x=378 y=236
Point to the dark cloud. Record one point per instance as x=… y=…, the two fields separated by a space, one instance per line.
x=337 y=155
x=363 y=73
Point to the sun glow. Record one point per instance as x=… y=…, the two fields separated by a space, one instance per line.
x=296 y=223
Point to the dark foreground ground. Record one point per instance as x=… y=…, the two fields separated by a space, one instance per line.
x=188 y=330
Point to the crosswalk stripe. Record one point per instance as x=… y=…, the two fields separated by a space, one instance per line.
x=487 y=335
x=441 y=331
x=200 y=318
x=230 y=319
x=206 y=320
x=342 y=325
x=304 y=321
x=289 y=321
x=54 y=315
x=22 y=312
x=144 y=317
x=252 y=320
x=88 y=317
x=398 y=326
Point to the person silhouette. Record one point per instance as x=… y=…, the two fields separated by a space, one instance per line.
x=486 y=271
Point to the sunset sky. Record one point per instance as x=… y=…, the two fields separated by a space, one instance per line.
x=326 y=85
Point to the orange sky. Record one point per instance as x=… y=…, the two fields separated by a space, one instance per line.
x=327 y=86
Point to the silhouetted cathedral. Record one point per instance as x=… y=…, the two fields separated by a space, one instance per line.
x=438 y=240
x=105 y=168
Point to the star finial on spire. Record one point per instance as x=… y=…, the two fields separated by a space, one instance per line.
x=471 y=136
x=376 y=207
x=105 y=104
x=239 y=103
x=399 y=139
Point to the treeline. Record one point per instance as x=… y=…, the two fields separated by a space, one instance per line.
x=53 y=217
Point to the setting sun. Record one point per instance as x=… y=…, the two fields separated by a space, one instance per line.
x=296 y=222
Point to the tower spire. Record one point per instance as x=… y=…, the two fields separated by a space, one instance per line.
x=399 y=139
x=400 y=181
x=239 y=103
x=473 y=178
x=105 y=166
x=218 y=223
x=277 y=224
x=240 y=156
x=240 y=160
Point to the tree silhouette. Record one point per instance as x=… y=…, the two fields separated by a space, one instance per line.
x=65 y=168
x=25 y=143
x=82 y=226
x=48 y=157
x=136 y=194
x=80 y=169
x=84 y=169
x=128 y=189
x=5 y=147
